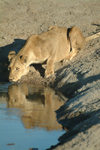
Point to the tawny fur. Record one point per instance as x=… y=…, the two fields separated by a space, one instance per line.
x=58 y=43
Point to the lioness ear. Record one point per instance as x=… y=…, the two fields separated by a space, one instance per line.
x=51 y=27
x=23 y=58
x=11 y=55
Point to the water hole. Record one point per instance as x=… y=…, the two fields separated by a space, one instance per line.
x=27 y=117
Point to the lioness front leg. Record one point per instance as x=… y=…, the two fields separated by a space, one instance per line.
x=50 y=67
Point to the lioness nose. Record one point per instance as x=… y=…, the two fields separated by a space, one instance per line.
x=10 y=80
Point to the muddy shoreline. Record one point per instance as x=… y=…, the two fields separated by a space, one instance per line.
x=78 y=80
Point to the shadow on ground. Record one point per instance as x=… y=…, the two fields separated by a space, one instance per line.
x=68 y=89
x=78 y=124
x=16 y=46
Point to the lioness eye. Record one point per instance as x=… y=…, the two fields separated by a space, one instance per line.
x=17 y=68
x=21 y=56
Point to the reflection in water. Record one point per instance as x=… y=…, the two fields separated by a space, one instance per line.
x=38 y=105
x=35 y=109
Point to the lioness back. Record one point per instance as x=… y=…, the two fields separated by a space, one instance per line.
x=47 y=43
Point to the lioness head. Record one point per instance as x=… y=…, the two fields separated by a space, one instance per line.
x=17 y=68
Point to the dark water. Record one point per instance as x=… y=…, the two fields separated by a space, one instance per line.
x=28 y=118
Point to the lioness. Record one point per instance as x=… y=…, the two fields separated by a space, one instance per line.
x=58 y=43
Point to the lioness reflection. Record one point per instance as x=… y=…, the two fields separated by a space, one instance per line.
x=37 y=104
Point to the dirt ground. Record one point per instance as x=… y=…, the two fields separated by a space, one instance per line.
x=79 y=79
